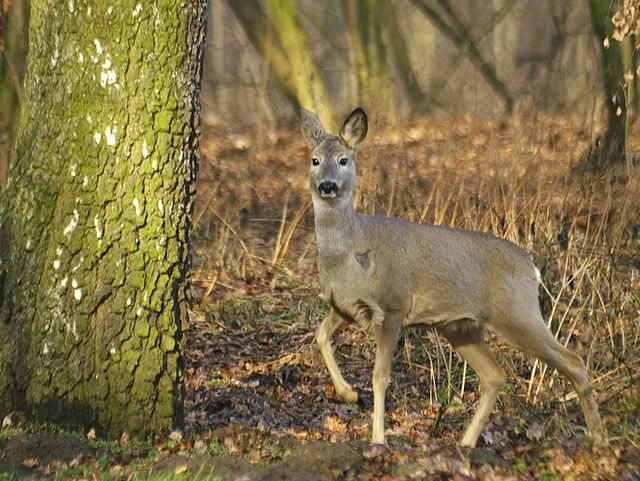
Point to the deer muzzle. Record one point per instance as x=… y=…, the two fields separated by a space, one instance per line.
x=328 y=189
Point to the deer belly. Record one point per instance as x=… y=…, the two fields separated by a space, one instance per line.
x=426 y=310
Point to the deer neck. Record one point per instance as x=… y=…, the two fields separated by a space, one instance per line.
x=335 y=226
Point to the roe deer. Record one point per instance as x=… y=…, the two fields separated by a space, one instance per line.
x=391 y=273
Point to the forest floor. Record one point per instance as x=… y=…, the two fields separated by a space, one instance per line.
x=259 y=401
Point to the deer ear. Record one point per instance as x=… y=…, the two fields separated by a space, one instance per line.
x=354 y=129
x=312 y=130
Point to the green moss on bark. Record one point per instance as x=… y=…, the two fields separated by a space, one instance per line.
x=105 y=139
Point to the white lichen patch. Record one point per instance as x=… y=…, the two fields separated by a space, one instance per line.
x=59 y=251
x=85 y=181
x=160 y=243
x=28 y=245
x=98 y=45
x=73 y=223
x=45 y=349
x=72 y=7
x=112 y=350
x=74 y=283
x=98 y=137
x=89 y=118
x=129 y=301
x=137 y=10
x=137 y=206
x=139 y=311
x=145 y=149
x=74 y=170
x=98 y=226
x=64 y=282
x=77 y=294
x=56 y=264
x=77 y=266
x=111 y=135
x=109 y=10
x=108 y=75
x=56 y=52
x=74 y=330
x=154 y=164
x=160 y=206
x=80 y=57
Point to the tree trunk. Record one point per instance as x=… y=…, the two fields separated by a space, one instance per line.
x=309 y=85
x=609 y=148
x=365 y=21
x=13 y=52
x=95 y=220
x=263 y=36
x=457 y=33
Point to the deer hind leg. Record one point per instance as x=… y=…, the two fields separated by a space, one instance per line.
x=533 y=337
x=469 y=344
x=323 y=336
x=386 y=336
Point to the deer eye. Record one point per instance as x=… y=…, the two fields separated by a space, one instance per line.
x=343 y=161
x=315 y=162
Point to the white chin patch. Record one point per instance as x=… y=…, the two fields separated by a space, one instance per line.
x=328 y=195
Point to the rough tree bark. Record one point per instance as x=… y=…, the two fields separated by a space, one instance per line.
x=95 y=220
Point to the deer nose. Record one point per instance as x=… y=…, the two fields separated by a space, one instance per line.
x=328 y=189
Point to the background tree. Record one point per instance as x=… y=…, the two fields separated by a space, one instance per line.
x=14 y=19
x=283 y=43
x=95 y=220
x=448 y=23
x=609 y=148
x=626 y=30
x=309 y=85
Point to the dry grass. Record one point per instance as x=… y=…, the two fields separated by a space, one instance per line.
x=254 y=233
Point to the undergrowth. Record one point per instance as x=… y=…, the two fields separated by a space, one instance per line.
x=255 y=239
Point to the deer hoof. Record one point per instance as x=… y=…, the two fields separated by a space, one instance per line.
x=350 y=396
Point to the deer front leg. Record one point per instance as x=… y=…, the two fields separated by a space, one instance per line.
x=323 y=336
x=386 y=335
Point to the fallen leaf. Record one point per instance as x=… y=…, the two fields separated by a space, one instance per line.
x=96 y=475
x=535 y=432
x=30 y=462
x=335 y=424
x=7 y=422
x=200 y=446
x=116 y=470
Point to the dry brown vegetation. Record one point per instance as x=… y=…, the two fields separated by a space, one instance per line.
x=256 y=282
